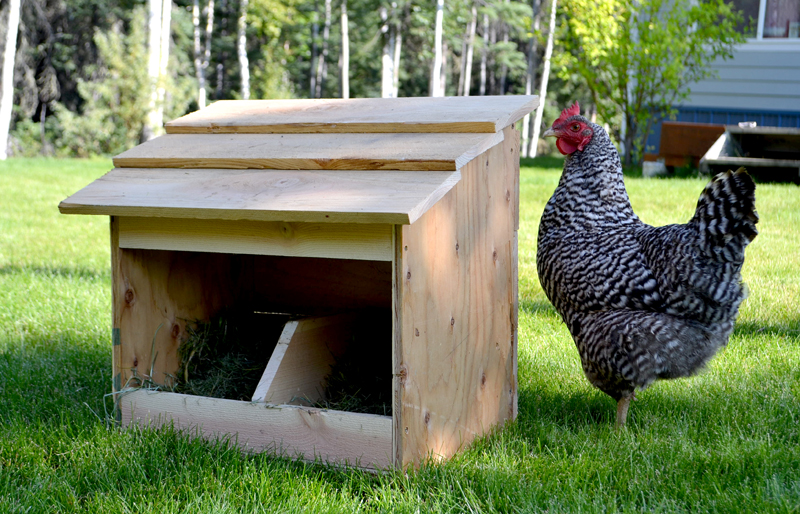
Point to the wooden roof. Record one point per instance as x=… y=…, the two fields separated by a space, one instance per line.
x=344 y=196
x=443 y=152
x=486 y=114
x=371 y=160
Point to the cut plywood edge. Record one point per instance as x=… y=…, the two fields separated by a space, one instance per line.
x=363 y=440
x=313 y=196
x=438 y=152
x=362 y=241
x=303 y=357
x=485 y=114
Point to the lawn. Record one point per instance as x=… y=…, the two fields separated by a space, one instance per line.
x=727 y=440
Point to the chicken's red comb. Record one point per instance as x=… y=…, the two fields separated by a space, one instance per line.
x=568 y=112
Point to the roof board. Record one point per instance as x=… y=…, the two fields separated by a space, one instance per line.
x=360 y=115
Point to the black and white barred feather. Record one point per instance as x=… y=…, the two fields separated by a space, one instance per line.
x=642 y=302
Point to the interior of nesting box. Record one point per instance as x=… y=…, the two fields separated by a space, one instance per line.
x=312 y=332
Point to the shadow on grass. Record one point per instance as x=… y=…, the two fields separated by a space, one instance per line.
x=48 y=378
x=55 y=271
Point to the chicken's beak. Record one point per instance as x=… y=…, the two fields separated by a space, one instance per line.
x=549 y=133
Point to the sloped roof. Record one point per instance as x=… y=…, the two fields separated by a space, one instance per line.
x=356 y=161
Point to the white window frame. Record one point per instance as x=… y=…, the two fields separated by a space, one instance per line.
x=762 y=14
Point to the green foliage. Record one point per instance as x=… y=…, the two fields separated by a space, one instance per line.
x=638 y=57
x=116 y=100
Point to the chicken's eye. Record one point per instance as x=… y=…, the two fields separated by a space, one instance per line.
x=576 y=127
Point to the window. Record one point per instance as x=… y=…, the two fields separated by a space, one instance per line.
x=782 y=19
x=769 y=19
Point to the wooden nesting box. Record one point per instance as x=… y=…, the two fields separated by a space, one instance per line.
x=325 y=209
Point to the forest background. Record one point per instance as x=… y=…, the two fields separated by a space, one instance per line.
x=96 y=77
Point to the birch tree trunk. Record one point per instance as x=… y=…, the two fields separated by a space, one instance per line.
x=9 y=56
x=198 y=56
x=436 y=73
x=158 y=57
x=484 y=54
x=398 y=43
x=530 y=78
x=241 y=50
x=322 y=64
x=202 y=55
x=387 y=62
x=344 y=72
x=470 y=49
x=548 y=52
x=312 y=93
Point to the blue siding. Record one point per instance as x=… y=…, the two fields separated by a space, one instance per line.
x=724 y=117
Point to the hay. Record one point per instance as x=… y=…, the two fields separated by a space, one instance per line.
x=226 y=356
x=361 y=379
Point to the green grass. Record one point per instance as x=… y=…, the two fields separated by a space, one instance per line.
x=727 y=440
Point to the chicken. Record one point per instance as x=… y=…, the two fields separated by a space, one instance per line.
x=642 y=303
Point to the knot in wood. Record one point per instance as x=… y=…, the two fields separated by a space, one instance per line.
x=176 y=330
x=452 y=321
x=129 y=296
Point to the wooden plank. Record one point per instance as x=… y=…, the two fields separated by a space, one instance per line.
x=303 y=358
x=391 y=197
x=486 y=114
x=362 y=440
x=156 y=293
x=455 y=369
x=440 y=152
x=681 y=139
x=362 y=241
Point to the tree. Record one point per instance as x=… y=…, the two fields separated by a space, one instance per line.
x=9 y=54
x=159 y=31
x=241 y=50
x=537 y=122
x=437 y=85
x=639 y=57
x=530 y=76
x=345 y=59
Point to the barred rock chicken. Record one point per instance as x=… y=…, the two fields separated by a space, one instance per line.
x=642 y=303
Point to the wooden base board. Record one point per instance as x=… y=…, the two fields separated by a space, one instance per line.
x=362 y=440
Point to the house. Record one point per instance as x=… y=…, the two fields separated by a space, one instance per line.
x=760 y=83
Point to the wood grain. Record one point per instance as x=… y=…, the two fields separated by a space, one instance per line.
x=363 y=440
x=392 y=197
x=362 y=241
x=455 y=369
x=438 y=152
x=486 y=114
x=155 y=295
x=303 y=358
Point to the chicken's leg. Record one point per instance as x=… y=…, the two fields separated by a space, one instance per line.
x=622 y=410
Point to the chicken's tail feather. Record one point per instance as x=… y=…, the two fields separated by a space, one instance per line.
x=726 y=215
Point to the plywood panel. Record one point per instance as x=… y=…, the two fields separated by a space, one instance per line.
x=363 y=440
x=303 y=358
x=360 y=115
x=362 y=241
x=391 y=197
x=457 y=273
x=155 y=295
x=442 y=152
